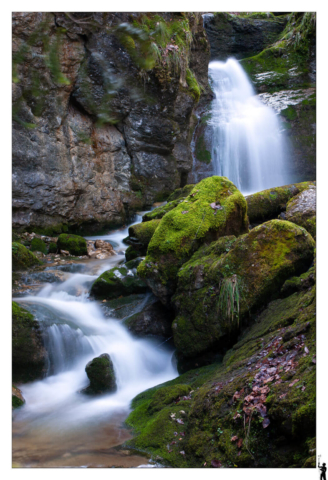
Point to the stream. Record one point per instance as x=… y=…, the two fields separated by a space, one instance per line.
x=59 y=426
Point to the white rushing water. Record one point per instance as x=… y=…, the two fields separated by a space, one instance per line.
x=247 y=144
x=76 y=331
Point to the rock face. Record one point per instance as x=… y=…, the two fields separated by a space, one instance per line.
x=242 y=35
x=116 y=282
x=22 y=258
x=268 y=378
x=153 y=320
x=301 y=210
x=100 y=372
x=270 y=203
x=214 y=295
x=83 y=157
x=29 y=357
x=213 y=209
x=74 y=244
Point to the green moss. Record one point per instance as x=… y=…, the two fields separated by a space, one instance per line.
x=191 y=223
x=116 y=282
x=159 y=212
x=180 y=193
x=144 y=231
x=193 y=85
x=53 y=247
x=289 y=113
x=201 y=153
x=38 y=245
x=16 y=401
x=131 y=253
x=269 y=203
x=74 y=244
x=22 y=258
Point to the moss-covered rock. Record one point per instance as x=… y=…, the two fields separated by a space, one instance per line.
x=180 y=193
x=117 y=281
x=52 y=247
x=270 y=203
x=38 y=245
x=272 y=366
x=29 y=357
x=214 y=208
x=143 y=232
x=159 y=212
x=131 y=253
x=74 y=244
x=214 y=295
x=100 y=372
x=17 y=398
x=22 y=258
x=301 y=210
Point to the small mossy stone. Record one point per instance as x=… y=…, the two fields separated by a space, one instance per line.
x=74 y=244
x=17 y=398
x=159 y=212
x=22 y=258
x=29 y=357
x=53 y=247
x=116 y=282
x=143 y=232
x=100 y=372
x=133 y=263
x=214 y=208
x=180 y=193
x=38 y=245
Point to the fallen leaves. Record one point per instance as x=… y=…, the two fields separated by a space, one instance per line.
x=266 y=422
x=185 y=211
x=240 y=443
x=234 y=438
x=216 y=206
x=293 y=382
x=216 y=463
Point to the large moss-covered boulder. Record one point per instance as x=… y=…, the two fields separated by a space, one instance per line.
x=74 y=244
x=301 y=210
x=29 y=357
x=22 y=258
x=269 y=203
x=254 y=409
x=212 y=305
x=116 y=282
x=100 y=372
x=214 y=208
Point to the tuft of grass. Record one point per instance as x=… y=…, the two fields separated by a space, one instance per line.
x=229 y=299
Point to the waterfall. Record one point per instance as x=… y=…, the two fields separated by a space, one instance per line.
x=247 y=145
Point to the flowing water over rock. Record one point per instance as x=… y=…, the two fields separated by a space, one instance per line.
x=247 y=145
x=58 y=425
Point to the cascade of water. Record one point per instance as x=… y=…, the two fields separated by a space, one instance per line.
x=247 y=144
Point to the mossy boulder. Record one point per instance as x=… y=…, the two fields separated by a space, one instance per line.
x=272 y=366
x=270 y=203
x=74 y=244
x=214 y=208
x=17 y=398
x=117 y=281
x=100 y=372
x=131 y=253
x=22 y=258
x=214 y=296
x=301 y=210
x=38 y=245
x=52 y=247
x=29 y=357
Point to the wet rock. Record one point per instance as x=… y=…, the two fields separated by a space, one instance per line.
x=270 y=203
x=117 y=281
x=214 y=305
x=99 y=249
x=17 y=398
x=133 y=263
x=214 y=208
x=123 y=307
x=22 y=258
x=301 y=209
x=139 y=238
x=100 y=372
x=74 y=244
x=29 y=357
x=153 y=320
